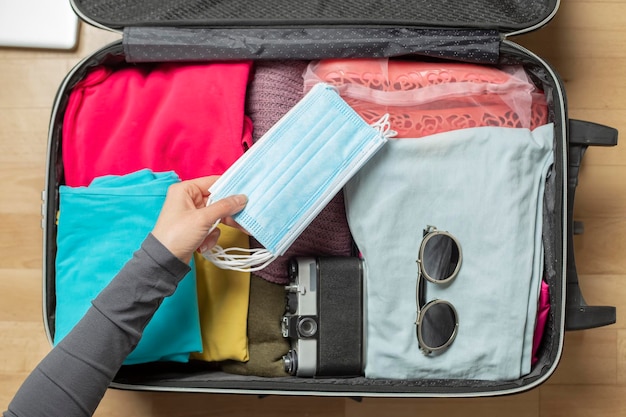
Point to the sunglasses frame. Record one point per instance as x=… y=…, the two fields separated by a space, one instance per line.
x=429 y=233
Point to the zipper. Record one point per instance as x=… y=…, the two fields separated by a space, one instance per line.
x=564 y=126
x=90 y=21
x=536 y=26
x=49 y=197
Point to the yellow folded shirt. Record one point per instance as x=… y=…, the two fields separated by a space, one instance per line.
x=223 y=299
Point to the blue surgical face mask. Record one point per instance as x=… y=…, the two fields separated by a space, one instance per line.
x=293 y=171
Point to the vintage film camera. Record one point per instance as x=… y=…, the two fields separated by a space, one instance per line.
x=324 y=317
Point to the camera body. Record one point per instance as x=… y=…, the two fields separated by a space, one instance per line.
x=324 y=317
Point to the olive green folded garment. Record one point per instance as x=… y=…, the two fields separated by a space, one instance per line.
x=266 y=344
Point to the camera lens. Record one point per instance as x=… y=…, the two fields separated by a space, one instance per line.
x=307 y=327
x=292 y=302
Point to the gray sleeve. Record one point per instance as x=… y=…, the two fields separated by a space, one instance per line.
x=72 y=379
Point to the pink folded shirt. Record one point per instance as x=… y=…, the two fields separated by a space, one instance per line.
x=188 y=118
x=542 y=319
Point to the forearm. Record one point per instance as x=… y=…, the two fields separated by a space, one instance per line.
x=72 y=379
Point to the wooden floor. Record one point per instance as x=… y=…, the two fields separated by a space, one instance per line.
x=586 y=43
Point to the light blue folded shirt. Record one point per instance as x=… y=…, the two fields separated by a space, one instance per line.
x=485 y=186
x=100 y=226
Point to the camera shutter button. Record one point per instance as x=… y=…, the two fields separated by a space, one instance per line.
x=292 y=270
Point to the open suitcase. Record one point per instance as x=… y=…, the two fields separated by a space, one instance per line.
x=473 y=32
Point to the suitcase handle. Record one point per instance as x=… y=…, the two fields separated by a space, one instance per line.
x=579 y=315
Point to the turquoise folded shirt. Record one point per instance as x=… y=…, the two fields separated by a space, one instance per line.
x=99 y=229
x=485 y=186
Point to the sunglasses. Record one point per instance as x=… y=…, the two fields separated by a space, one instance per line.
x=439 y=262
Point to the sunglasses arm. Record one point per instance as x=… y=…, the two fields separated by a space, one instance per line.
x=419 y=291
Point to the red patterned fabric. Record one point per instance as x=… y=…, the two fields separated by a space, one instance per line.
x=424 y=98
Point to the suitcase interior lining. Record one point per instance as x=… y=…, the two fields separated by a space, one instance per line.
x=505 y=14
x=196 y=376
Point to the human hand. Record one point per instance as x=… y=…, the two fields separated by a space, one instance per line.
x=185 y=220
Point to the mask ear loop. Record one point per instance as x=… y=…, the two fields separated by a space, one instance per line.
x=383 y=125
x=238 y=259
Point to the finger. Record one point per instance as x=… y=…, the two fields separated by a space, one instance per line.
x=210 y=240
x=203 y=183
x=232 y=223
x=198 y=189
x=224 y=208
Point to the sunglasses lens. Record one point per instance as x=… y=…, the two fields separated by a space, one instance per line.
x=440 y=257
x=438 y=324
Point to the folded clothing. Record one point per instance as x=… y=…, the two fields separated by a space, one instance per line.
x=424 y=98
x=485 y=186
x=99 y=228
x=188 y=118
x=275 y=87
x=266 y=343
x=542 y=319
x=223 y=302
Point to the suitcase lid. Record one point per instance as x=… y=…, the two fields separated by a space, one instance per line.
x=509 y=17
